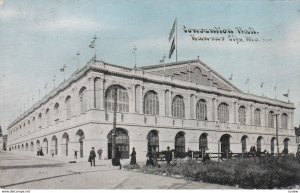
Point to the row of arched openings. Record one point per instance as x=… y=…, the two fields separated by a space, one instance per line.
x=122 y=141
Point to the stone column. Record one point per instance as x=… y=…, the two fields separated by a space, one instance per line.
x=209 y=109
x=187 y=106
x=235 y=107
x=265 y=113
x=291 y=122
x=251 y=114
x=135 y=95
x=90 y=93
x=140 y=101
x=162 y=102
x=75 y=103
x=99 y=93
x=192 y=106
x=170 y=103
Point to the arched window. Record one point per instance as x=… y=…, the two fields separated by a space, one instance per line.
x=56 y=110
x=257 y=117
x=40 y=120
x=223 y=113
x=68 y=107
x=242 y=115
x=180 y=142
x=80 y=138
x=244 y=143
x=153 y=140
x=122 y=99
x=48 y=117
x=83 y=100
x=178 y=110
x=65 y=144
x=271 y=119
x=203 y=144
x=45 y=146
x=54 y=145
x=122 y=141
x=284 y=120
x=225 y=143
x=286 y=144
x=151 y=103
x=38 y=145
x=258 y=144
x=273 y=140
x=201 y=110
x=31 y=146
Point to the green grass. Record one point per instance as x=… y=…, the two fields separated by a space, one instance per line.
x=259 y=173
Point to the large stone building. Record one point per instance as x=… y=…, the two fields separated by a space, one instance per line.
x=182 y=105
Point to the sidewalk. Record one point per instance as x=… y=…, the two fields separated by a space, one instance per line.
x=27 y=172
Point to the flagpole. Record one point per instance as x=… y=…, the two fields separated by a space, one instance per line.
x=176 y=39
x=247 y=82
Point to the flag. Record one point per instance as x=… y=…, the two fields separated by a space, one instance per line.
x=287 y=94
x=247 y=81
x=62 y=69
x=92 y=45
x=163 y=59
x=230 y=78
x=172 y=30
x=262 y=85
x=172 y=48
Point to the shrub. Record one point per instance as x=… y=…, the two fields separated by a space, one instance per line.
x=257 y=172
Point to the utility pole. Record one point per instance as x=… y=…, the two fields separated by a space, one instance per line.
x=113 y=135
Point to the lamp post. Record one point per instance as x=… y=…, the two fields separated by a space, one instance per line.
x=113 y=135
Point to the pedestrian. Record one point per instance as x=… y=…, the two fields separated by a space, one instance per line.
x=150 y=158
x=75 y=154
x=168 y=155
x=118 y=157
x=154 y=156
x=189 y=153
x=133 y=157
x=92 y=156
x=99 y=153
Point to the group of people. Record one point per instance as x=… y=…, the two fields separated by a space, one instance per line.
x=40 y=152
x=152 y=157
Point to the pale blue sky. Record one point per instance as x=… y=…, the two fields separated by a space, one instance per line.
x=38 y=37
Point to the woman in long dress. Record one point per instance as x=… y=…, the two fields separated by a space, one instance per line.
x=133 y=157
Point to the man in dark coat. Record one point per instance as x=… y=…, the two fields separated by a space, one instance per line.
x=168 y=155
x=118 y=156
x=92 y=156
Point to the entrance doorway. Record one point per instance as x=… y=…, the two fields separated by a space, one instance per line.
x=122 y=141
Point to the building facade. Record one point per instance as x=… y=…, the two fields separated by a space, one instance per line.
x=182 y=105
